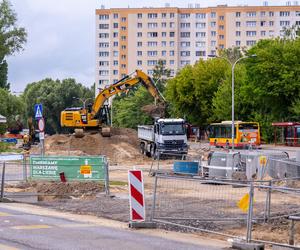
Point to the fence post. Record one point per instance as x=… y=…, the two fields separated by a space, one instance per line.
x=2 y=181
x=106 y=179
x=268 y=202
x=250 y=214
x=154 y=199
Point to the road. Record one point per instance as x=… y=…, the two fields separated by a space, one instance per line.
x=30 y=227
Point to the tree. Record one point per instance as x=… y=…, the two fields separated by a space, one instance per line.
x=127 y=109
x=191 y=91
x=55 y=97
x=12 y=38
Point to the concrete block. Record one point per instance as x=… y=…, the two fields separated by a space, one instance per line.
x=142 y=224
x=247 y=246
x=274 y=247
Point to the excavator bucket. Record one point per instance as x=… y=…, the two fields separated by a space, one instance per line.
x=106 y=131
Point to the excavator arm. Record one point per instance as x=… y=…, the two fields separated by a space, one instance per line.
x=125 y=84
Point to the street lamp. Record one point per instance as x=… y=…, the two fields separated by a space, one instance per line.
x=83 y=100
x=232 y=91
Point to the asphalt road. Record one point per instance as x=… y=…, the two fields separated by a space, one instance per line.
x=29 y=229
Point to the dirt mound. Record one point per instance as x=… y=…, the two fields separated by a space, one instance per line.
x=122 y=146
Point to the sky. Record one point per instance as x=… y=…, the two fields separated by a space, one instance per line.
x=61 y=36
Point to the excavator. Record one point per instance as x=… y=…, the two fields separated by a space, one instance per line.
x=97 y=116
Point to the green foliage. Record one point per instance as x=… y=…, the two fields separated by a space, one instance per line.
x=8 y=147
x=12 y=38
x=127 y=109
x=190 y=93
x=55 y=97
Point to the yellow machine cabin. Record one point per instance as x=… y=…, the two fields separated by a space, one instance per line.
x=97 y=116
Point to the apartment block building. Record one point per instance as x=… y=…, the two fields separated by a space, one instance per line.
x=136 y=38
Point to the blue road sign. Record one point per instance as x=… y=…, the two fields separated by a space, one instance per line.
x=38 y=111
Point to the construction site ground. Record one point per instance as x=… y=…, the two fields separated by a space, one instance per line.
x=122 y=151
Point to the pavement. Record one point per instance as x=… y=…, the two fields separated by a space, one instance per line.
x=24 y=226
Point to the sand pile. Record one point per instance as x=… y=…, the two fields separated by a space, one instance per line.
x=122 y=146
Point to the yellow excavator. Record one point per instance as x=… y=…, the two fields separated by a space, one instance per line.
x=97 y=116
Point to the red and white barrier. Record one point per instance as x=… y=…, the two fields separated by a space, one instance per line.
x=136 y=195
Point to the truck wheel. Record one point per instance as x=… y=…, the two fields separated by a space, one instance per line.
x=152 y=151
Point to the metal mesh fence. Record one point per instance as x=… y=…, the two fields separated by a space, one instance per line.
x=283 y=168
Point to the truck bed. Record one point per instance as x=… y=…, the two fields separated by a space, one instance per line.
x=145 y=132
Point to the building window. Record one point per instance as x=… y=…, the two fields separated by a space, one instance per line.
x=139 y=34
x=271 y=23
x=185 y=34
x=263 y=23
x=237 y=14
x=139 y=15
x=164 y=25
x=150 y=72
x=250 y=33
x=163 y=43
x=185 y=15
x=185 y=25
x=103 y=17
x=164 y=53
x=285 y=23
x=152 y=25
x=116 y=63
x=237 y=24
x=115 y=25
x=171 y=52
x=115 y=72
x=163 y=34
x=213 y=24
x=250 y=43
x=200 y=34
x=284 y=13
x=271 y=13
x=172 y=62
x=263 y=33
x=103 y=72
x=213 y=14
x=164 y=15
x=213 y=43
x=172 y=34
x=221 y=27
x=103 y=82
x=104 y=26
x=200 y=15
x=271 y=32
x=201 y=25
x=139 y=63
x=115 y=34
x=123 y=19
x=103 y=63
x=172 y=25
x=185 y=44
x=251 y=14
x=152 y=15
x=185 y=53
x=103 y=45
x=123 y=38
x=152 y=53
x=103 y=35
x=139 y=25
x=152 y=34
x=185 y=62
x=221 y=46
x=172 y=43
x=115 y=15
x=123 y=47
x=297 y=13
x=152 y=62
x=152 y=44
x=123 y=28
x=250 y=23
x=172 y=15
x=123 y=66
x=221 y=18
x=139 y=53
x=213 y=33
x=221 y=37
x=237 y=33
x=262 y=13
x=115 y=53
x=201 y=53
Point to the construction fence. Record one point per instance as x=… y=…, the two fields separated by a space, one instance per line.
x=244 y=210
x=55 y=169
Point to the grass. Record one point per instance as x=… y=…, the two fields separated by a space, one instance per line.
x=118 y=183
x=8 y=147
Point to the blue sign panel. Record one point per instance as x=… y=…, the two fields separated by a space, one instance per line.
x=38 y=111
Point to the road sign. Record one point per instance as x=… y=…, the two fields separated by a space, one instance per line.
x=38 y=111
x=49 y=167
x=41 y=125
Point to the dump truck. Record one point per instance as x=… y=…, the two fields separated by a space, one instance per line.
x=97 y=116
x=165 y=137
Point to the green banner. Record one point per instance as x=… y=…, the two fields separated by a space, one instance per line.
x=74 y=167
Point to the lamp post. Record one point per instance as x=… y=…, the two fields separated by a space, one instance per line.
x=232 y=91
x=82 y=100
